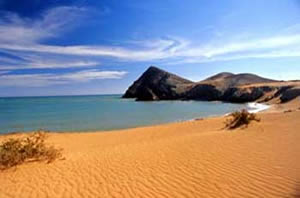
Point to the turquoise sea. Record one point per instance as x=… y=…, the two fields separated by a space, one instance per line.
x=101 y=112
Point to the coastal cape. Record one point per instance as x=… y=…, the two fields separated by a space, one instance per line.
x=157 y=84
x=198 y=158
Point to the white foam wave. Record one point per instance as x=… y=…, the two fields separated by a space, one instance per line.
x=257 y=107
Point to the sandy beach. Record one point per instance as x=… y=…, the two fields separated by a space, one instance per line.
x=188 y=159
x=149 y=99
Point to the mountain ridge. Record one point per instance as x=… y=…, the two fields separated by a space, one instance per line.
x=158 y=84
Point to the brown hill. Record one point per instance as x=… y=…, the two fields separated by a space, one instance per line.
x=227 y=80
x=219 y=76
x=157 y=84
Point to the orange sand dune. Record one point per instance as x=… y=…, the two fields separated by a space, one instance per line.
x=189 y=159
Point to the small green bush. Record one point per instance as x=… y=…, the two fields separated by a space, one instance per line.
x=240 y=118
x=15 y=151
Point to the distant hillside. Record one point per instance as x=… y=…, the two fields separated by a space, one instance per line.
x=157 y=84
x=227 y=80
x=219 y=76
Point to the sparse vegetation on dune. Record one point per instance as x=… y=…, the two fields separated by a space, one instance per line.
x=240 y=119
x=16 y=151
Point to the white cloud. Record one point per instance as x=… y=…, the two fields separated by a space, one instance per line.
x=38 y=61
x=159 y=49
x=267 y=44
x=63 y=65
x=22 y=37
x=275 y=46
x=17 y=30
x=34 y=61
x=41 y=80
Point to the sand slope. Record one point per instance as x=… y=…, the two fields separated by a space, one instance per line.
x=189 y=159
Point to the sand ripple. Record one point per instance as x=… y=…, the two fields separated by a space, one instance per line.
x=190 y=159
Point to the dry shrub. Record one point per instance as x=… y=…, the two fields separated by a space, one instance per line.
x=15 y=151
x=240 y=118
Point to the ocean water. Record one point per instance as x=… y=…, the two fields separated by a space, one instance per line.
x=103 y=112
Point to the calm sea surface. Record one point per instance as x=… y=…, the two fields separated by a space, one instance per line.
x=91 y=113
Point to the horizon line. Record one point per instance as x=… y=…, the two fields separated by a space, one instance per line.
x=74 y=95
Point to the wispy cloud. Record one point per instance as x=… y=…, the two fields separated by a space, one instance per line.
x=17 y=30
x=269 y=47
x=263 y=48
x=41 y=80
x=3 y=72
x=251 y=45
x=19 y=35
x=37 y=62
x=23 y=38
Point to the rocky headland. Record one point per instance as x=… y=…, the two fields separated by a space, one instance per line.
x=157 y=84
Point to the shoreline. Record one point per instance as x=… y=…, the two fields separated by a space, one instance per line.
x=184 y=159
x=262 y=108
x=256 y=108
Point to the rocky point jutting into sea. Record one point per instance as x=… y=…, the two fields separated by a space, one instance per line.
x=157 y=84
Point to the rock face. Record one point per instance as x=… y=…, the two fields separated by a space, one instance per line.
x=156 y=84
x=205 y=92
x=241 y=95
x=290 y=94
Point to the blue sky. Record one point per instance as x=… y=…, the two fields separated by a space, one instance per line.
x=62 y=47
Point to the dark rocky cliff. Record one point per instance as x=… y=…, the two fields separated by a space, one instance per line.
x=156 y=84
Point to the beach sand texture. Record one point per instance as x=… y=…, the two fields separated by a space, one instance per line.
x=188 y=159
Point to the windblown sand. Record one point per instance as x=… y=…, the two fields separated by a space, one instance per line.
x=189 y=159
